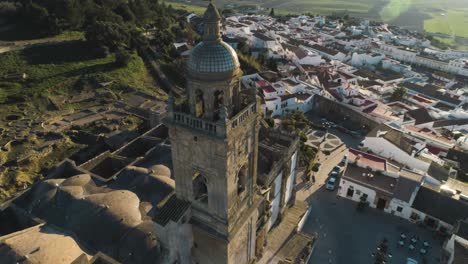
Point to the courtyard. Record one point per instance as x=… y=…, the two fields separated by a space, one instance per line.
x=347 y=236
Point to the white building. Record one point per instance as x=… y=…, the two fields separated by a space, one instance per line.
x=395 y=66
x=458 y=66
x=393 y=145
x=430 y=136
x=382 y=185
x=330 y=54
x=399 y=192
x=303 y=56
x=457 y=245
x=363 y=59
x=437 y=210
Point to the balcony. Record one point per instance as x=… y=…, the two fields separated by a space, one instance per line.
x=243 y=115
x=211 y=128
x=215 y=128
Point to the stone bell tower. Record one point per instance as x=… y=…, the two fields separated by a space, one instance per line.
x=214 y=138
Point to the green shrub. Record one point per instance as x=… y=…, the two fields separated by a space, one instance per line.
x=122 y=58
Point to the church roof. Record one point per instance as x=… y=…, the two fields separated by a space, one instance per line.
x=213 y=57
x=40 y=244
x=211 y=13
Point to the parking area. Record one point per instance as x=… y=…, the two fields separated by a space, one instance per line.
x=347 y=236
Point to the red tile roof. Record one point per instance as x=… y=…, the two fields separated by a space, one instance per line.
x=426 y=131
x=370 y=160
x=262 y=83
x=268 y=89
x=369 y=109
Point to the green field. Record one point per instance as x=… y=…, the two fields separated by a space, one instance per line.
x=322 y=6
x=453 y=25
x=188 y=7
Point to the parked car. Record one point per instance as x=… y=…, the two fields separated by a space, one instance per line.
x=337 y=168
x=345 y=158
x=334 y=174
x=331 y=183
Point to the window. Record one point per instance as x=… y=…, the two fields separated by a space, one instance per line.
x=200 y=188
x=399 y=209
x=199 y=104
x=241 y=180
x=217 y=103
x=414 y=216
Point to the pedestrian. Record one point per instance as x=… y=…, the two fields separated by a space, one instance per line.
x=313 y=178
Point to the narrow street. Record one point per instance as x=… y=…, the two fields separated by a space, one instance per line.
x=304 y=193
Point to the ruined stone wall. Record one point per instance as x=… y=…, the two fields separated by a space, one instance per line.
x=325 y=107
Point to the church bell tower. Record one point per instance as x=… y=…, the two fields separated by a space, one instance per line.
x=214 y=138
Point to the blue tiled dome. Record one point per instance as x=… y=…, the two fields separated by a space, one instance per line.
x=212 y=57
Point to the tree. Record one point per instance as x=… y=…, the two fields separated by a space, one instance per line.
x=125 y=12
x=270 y=121
x=9 y=9
x=101 y=51
x=141 y=10
x=398 y=94
x=249 y=64
x=272 y=12
x=37 y=14
x=137 y=40
x=122 y=57
x=381 y=254
x=244 y=48
x=110 y=34
x=71 y=12
x=361 y=204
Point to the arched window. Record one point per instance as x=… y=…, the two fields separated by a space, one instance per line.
x=241 y=180
x=200 y=188
x=199 y=104
x=218 y=98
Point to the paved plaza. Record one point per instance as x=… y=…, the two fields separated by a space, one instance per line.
x=350 y=237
